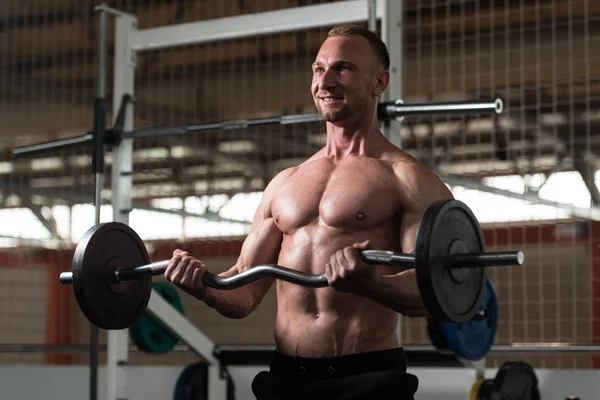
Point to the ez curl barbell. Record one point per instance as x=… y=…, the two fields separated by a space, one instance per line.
x=112 y=273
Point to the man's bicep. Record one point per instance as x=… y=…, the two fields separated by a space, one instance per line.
x=263 y=242
x=261 y=246
x=408 y=232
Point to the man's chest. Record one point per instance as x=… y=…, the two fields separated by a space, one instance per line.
x=351 y=195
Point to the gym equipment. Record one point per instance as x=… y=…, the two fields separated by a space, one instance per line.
x=450 y=261
x=192 y=383
x=470 y=340
x=514 y=380
x=112 y=273
x=395 y=109
x=147 y=333
x=480 y=389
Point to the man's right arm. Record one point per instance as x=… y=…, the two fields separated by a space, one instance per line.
x=261 y=246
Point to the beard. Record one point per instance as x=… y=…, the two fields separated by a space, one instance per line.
x=337 y=115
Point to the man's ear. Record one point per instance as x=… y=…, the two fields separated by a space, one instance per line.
x=381 y=83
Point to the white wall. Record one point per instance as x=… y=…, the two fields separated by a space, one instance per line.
x=157 y=383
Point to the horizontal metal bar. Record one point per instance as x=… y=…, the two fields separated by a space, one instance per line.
x=44 y=348
x=244 y=347
x=525 y=348
x=156 y=268
x=216 y=126
x=104 y=8
x=514 y=348
x=48 y=147
x=385 y=111
x=552 y=349
x=7 y=348
x=150 y=132
x=263 y=23
x=511 y=348
x=399 y=110
x=491 y=259
x=388 y=258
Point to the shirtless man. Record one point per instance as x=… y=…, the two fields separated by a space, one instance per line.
x=359 y=191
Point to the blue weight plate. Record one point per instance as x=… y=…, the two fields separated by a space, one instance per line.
x=473 y=339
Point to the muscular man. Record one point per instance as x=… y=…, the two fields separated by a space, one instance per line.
x=358 y=192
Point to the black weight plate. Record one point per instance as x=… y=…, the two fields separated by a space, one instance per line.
x=484 y=392
x=192 y=383
x=103 y=249
x=437 y=336
x=515 y=380
x=449 y=227
x=478 y=390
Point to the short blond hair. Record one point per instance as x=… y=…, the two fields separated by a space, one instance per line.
x=375 y=41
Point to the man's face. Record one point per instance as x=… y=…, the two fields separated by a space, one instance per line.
x=346 y=77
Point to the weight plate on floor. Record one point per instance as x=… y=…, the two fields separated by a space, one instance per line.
x=485 y=390
x=147 y=333
x=192 y=383
x=473 y=339
x=515 y=380
x=101 y=250
x=449 y=227
x=478 y=389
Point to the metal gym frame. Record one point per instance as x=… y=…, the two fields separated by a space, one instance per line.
x=130 y=40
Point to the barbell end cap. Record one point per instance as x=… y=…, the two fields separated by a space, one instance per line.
x=520 y=258
x=499 y=106
x=66 y=278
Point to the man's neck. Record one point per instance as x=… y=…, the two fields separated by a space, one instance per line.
x=345 y=141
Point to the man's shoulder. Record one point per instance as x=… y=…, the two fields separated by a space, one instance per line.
x=415 y=178
x=284 y=174
x=291 y=170
x=401 y=160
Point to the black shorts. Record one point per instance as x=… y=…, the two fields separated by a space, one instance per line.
x=377 y=375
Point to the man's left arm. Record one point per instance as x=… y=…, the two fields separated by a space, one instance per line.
x=400 y=292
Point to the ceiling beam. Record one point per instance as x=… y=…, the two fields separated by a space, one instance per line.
x=591 y=213
x=78 y=198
